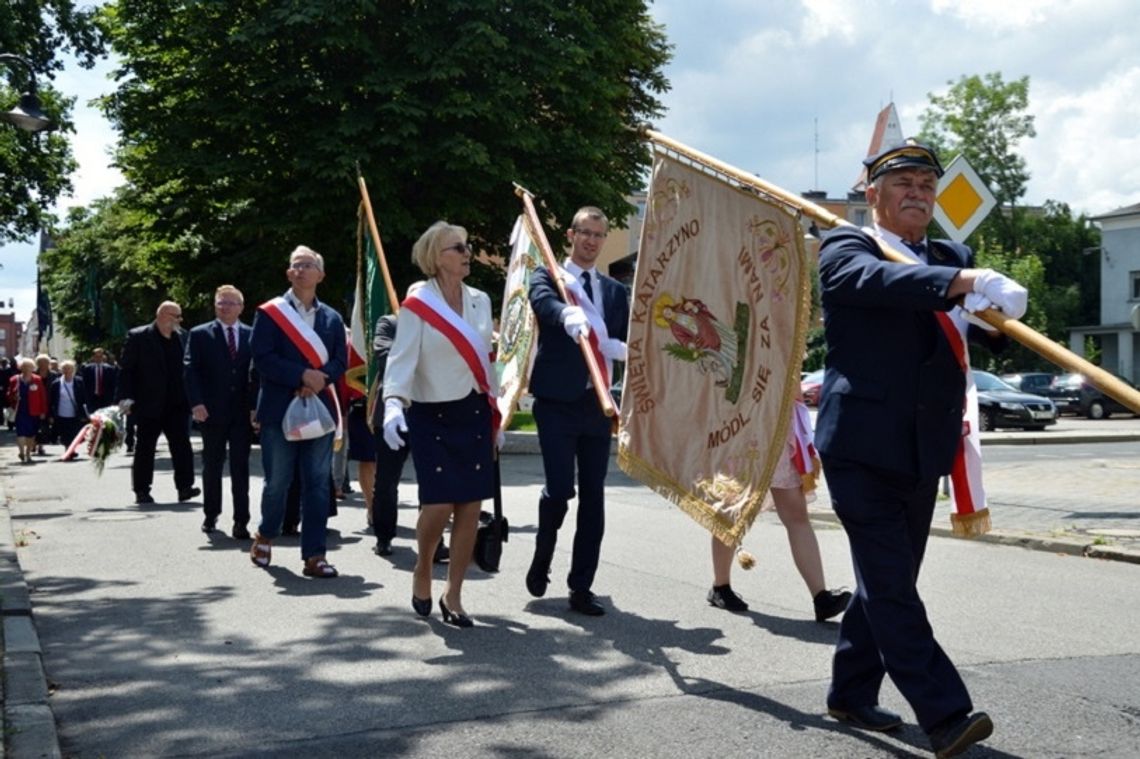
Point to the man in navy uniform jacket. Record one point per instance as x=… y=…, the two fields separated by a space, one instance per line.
x=889 y=426
x=571 y=425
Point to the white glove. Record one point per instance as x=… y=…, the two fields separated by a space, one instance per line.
x=972 y=304
x=394 y=423
x=1003 y=292
x=614 y=349
x=575 y=323
x=500 y=439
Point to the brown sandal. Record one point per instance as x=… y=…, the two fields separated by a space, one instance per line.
x=261 y=552
x=316 y=566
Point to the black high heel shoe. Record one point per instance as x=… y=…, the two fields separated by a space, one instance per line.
x=451 y=618
x=422 y=605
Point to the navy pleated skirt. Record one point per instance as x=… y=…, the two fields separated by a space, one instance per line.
x=452 y=449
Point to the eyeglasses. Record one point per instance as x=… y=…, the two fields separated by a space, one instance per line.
x=175 y=317
x=228 y=303
x=303 y=266
x=459 y=247
x=588 y=234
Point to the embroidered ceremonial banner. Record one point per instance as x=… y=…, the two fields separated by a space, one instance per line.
x=717 y=330
x=517 y=333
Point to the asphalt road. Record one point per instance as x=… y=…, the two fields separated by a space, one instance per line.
x=159 y=641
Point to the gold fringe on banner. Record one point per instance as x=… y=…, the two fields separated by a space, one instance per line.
x=971 y=525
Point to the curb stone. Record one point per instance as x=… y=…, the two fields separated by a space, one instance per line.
x=27 y=722
x=1071 y=546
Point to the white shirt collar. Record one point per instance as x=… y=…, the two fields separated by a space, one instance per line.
x=896 y=241
x=297 y=304
x=577 y=270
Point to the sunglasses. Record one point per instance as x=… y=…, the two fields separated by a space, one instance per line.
x=459 y=247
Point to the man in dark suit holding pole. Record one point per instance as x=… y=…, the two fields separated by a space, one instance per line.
x=222 y=400
x=890 y=425
x=571 y=425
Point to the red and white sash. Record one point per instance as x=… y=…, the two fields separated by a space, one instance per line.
x=971 y=515
x=473 y=349
x=598 y=331
x=306 y=340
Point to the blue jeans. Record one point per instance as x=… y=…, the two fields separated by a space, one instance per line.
x=278 y=458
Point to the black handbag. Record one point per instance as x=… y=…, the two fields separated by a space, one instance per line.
x=493 y=531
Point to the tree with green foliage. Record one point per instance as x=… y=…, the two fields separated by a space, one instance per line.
x=243 y=122
x=984 y=119
x=109 y=271
x=35 y=169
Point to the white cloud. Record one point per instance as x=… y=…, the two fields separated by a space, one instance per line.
x=830 y=18
x=998 y=14
x=748 y=84
x=1087 y=143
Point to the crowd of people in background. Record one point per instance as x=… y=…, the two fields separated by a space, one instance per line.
x=48 y=401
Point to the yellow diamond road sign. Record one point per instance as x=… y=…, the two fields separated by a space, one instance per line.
x=963 y=200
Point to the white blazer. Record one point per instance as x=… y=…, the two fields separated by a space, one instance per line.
x=423 y=365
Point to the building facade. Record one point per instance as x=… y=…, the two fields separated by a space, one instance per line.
x=1119 y=330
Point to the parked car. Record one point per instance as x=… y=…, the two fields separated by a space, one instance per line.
x=1030 y=382
x=1000 y=405
x=810 y=386
x=1075 y=394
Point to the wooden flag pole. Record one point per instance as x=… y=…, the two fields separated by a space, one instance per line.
x=600 y=388
x=1022 y=333
x=392 y=300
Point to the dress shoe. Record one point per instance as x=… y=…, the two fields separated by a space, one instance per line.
x=442 y=554
x=144 y=499
x=453 y=618
x=585 y=602
x=958 y=736
x=724 y=597
x=209 y=525
x=874 y=718
x=536 y=581
x=829 y=603
x=241 y=532
x=384 y=548
x=189 y=494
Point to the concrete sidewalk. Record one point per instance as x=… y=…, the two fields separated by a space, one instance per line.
x=159 y=638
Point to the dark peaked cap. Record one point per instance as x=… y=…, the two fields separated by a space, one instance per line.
x=909 y=154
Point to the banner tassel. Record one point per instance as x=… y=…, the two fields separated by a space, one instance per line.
x=744 y=558
x=971 y=525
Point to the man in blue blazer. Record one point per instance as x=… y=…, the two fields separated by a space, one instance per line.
x=890 y=424
x=218 y=386
x=571 y=425
x=299 y=350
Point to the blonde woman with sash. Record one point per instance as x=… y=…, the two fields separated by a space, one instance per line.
x=438 y=388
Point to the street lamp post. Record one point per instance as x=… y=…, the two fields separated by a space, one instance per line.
x=27 y=115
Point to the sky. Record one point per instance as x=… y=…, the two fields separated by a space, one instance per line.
x=789 y=90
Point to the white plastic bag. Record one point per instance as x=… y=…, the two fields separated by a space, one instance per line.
x=307 y=418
